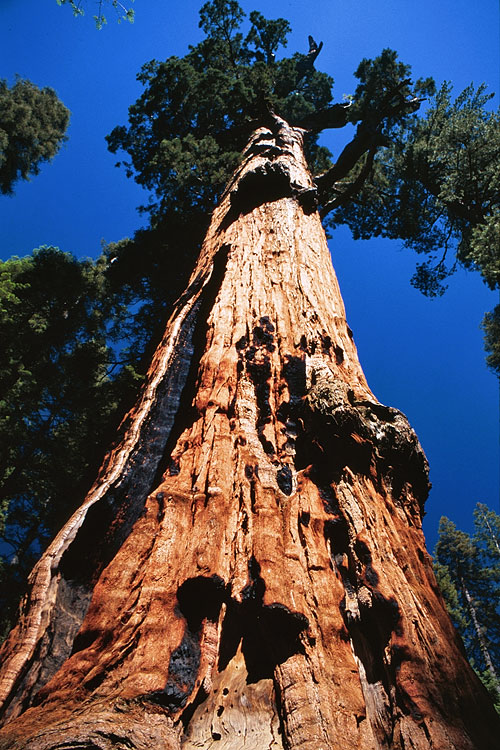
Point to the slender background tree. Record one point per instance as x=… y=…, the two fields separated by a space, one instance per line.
x=468 y=571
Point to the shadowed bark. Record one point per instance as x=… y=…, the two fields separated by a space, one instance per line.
x=249 y=570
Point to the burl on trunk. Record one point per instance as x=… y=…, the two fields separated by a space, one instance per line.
x=249 y=570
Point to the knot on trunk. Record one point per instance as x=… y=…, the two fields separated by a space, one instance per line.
x=367 y=436
x=266 y=183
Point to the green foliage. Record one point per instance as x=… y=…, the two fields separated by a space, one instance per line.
x=64 y=381
x=122 y=13
x=437 y=187
x=385 y=82
x=188 y=128
x=431 y=180
x=32 y=126
x=487 y=535
x=468 y=572
x=491 y=328
x=451 y=597
x=152 y=274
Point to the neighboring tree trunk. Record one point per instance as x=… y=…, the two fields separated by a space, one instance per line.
x=249 y=570
x=478 y=630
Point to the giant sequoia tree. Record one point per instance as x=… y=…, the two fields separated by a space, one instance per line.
x=249 y=569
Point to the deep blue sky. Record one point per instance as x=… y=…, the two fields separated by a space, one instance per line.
x=422 y=356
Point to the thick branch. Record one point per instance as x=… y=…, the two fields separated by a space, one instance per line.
x=369 y=137
x=366 y=139
x=323 y=119
x=351 y=190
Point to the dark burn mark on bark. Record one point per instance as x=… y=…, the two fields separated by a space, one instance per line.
x=258 y=367
x=283 y=412
x=336 y=532
x=300 y=530
x=328 y=496
x=263 y=335
x=251 y=471
x=182 y=672
x=371 y=633
x=339 y=355
x=269 y=634
x=284 y=478
x=82 y=561
x=326 y=344
x=371 y=620
x=244 y=523
x=161 y=500
x=294 y=372
x=266 y=324
x=254 y=359
x=201 y=598
x=304 y=518
x=266 y=183
x=242 y=343
x=307 y=198
x=308 y=346
x=253 y=497
x=198 y=599
x=71 y=606
x=173 y=468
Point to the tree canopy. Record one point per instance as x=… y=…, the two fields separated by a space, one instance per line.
x=187 y=130
x=436 y=186
x=33 y=123
x=64 y=380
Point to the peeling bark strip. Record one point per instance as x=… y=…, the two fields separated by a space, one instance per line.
x=249 y=570
x=149 y=425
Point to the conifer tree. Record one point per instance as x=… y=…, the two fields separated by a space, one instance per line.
x=468 y=572
x=33 y=123
x=63 y=381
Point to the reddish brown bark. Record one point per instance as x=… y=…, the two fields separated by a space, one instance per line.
x=249 y=570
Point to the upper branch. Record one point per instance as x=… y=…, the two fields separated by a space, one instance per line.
x=368 y=138
x=323 y=119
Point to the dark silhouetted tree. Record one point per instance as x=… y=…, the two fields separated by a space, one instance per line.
x=33 y=123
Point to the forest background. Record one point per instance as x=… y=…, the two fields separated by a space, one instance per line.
x=422 y=356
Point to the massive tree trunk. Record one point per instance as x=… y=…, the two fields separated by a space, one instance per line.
x=249 y=570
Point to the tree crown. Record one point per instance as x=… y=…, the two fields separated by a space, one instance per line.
x=33 y=123
x=428 y=179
